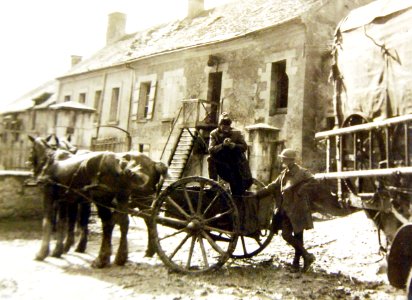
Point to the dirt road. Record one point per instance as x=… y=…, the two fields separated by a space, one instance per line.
x=346 y=268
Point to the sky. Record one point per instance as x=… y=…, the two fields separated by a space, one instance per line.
x=39 y=36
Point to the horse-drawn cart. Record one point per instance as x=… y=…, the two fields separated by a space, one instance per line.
x=194 y=224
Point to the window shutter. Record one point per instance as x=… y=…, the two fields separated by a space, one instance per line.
x=135 y=102
x=151 y=100
x=141 y=102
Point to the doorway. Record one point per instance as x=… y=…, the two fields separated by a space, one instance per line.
x=213 y=95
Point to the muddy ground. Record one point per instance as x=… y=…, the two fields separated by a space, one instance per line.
x=347 y=252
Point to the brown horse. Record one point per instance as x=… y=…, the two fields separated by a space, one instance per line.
x=101 y=176
x=141 y=198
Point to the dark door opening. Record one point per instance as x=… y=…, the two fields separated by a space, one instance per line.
x=213 y=95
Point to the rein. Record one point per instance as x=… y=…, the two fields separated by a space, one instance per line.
x=90 y=199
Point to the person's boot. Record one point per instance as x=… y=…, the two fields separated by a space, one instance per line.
x=308 y=260
x=295 y=263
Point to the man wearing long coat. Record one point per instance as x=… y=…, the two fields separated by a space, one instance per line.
x=294 y=214
x=227 y=148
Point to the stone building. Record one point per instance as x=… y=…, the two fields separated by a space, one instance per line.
x=37 y=113
x=267 y=62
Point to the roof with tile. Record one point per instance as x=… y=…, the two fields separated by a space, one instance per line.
x=219 y=24
x=47 y=91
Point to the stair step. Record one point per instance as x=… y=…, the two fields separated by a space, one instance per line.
x=186 y=136
x=184 y=147
x=177 y=165
x=182 y=152
x=181 y=155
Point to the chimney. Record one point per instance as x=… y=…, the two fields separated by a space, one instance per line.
x=76 y=59
x=195 y=7
x=116 y=27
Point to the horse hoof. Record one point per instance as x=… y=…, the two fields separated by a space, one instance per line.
x=57 y=252
x=149 y=254
x=81 y=248
x=100 y=263
x=40 y=257
x=120 y=261
x=66 y=248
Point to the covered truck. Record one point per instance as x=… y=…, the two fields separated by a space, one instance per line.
x=369 y=151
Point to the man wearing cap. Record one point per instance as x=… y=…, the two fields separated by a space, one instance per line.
x=227 y=158
x=293 y=207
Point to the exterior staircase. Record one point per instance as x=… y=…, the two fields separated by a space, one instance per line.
x=180 y=155
x=189 y=126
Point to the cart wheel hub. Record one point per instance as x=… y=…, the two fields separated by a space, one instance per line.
x=194 y=225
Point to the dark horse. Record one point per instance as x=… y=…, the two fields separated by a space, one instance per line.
x=78 y=209
x=105 y=177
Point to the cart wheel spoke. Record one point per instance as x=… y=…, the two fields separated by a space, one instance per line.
x=189 y=257
x=213 y=244
x=242 y=238
x=179 y=246
x=218 y=216
x=200 y=199
x=211 y=203
x=202 y=248
x=177 y=206
x=188 y=200
x=221 y=231
x=171 y=221
x=173 y=234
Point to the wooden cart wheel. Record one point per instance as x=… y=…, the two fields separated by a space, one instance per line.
x=355 y=155
x=251 y=245
x=186 y=218
x=400 y=257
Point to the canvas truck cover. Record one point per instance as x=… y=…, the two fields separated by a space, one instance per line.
x=372 y=68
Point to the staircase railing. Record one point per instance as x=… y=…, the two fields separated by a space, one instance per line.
x=176 y=144
x=193 y=113
x=171 y=132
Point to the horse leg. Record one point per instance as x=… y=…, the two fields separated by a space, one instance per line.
x=151 y=250
x=60 y=229
x=85 y=210
x=106 y=217
x=47 y=223
x=72 y=216
x=123 y=221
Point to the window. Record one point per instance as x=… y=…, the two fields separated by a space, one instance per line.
x=143 y=97
x=82 y=98
x=173 y=87
x=144 y=148
x=97 y=105
x=67 y=98
x=279 y=86
x=144 y=100
x=114 y=105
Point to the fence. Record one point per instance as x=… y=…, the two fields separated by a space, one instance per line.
x=113 y=144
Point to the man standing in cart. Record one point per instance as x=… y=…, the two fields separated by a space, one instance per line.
x=227 y=159
x=293 y=214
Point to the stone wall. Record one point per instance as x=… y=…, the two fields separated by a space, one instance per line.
x=18 y=199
